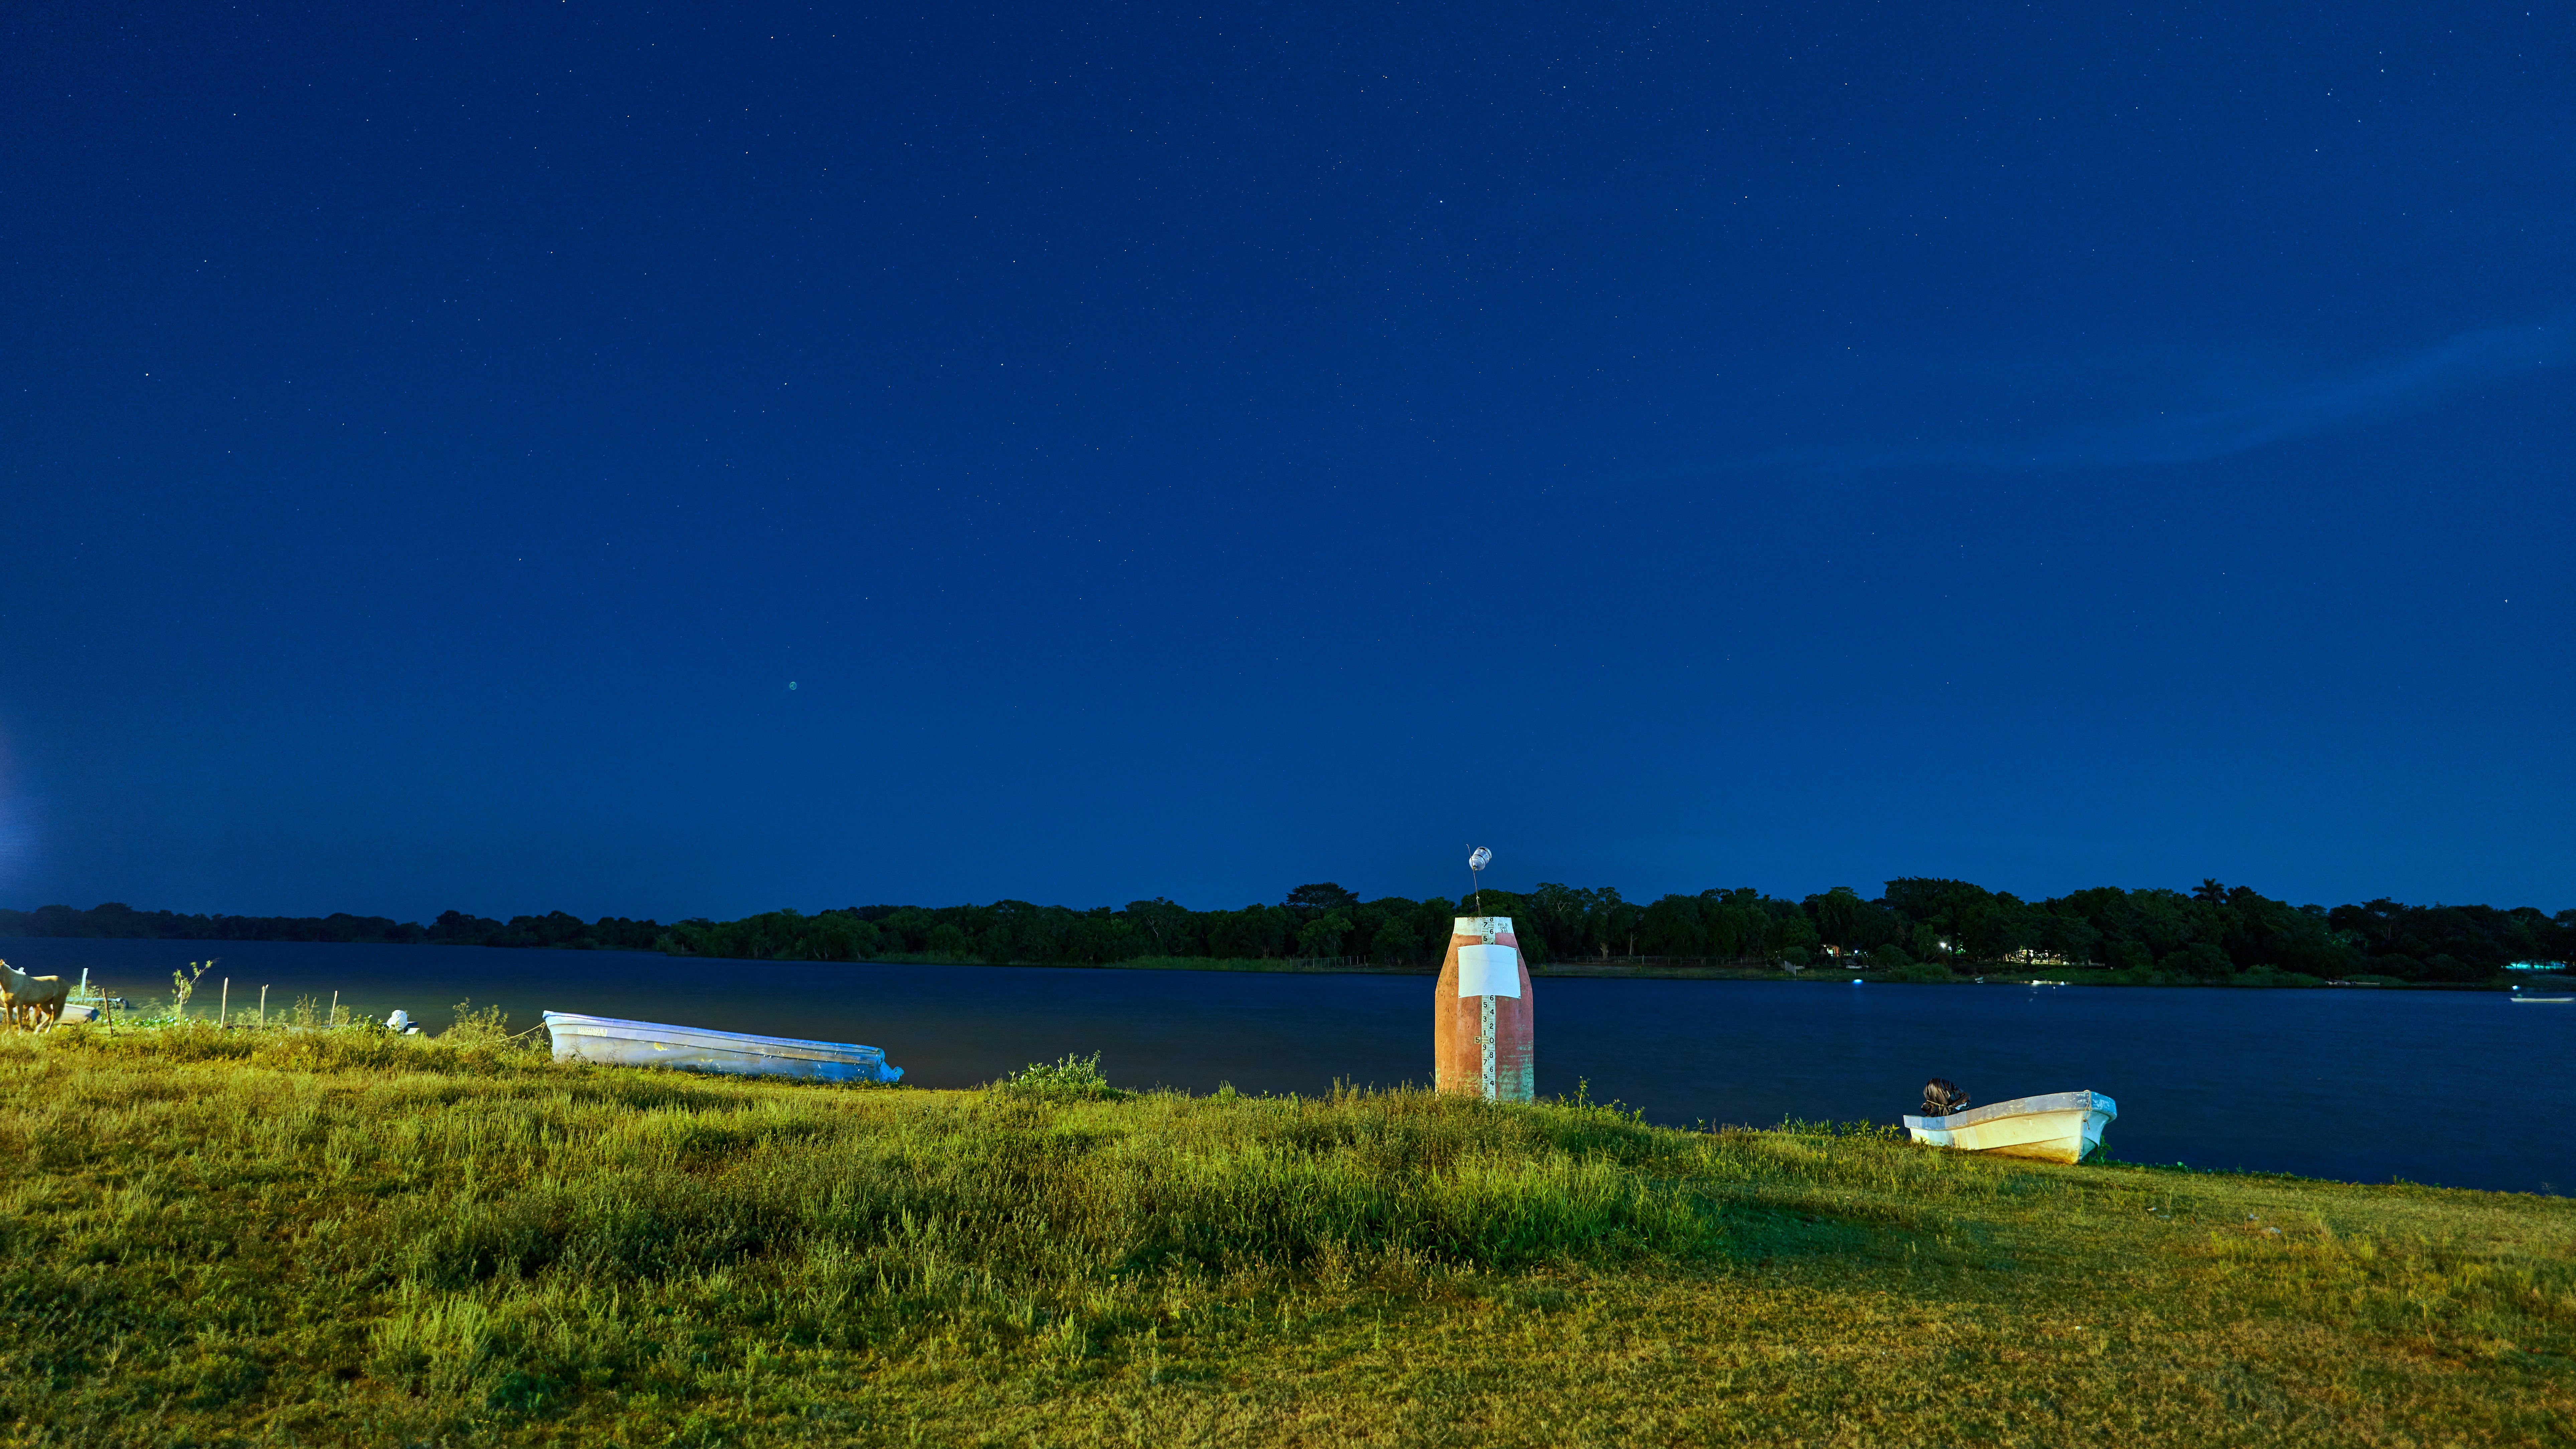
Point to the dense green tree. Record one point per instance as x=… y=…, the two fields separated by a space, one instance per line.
x=1307 y=902
x=1390 y=931
x=1674 y=926
x=1433 y=921
x=1557 y=926
x=2199 y=960
x=1324 y=935
x=1955 y=911
x=1737 y=923
x=1791 y=935
x=1838 y=915
x=1167 y=929
x=1256 y=931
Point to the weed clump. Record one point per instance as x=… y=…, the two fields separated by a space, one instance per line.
x=1074 y=1079
x=476 y=1029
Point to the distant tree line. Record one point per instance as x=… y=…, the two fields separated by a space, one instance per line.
x=2211 y=933
x=118 y=921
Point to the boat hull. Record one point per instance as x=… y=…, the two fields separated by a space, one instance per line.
x=610 y=1041
x=2060 y=1127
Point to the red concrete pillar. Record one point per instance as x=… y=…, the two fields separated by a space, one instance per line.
x=1457 y=1022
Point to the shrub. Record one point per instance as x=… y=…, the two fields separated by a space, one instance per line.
x=1072 y=1079
x=487 y=1027
x=2445 y=967
x=2200 y=960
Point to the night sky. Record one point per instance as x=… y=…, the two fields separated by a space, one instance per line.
x=1193 y=452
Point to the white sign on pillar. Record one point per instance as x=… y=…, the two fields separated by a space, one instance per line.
x=1489 y=971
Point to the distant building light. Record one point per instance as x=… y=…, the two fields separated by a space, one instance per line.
x=2537 y=966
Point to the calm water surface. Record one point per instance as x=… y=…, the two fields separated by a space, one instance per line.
x=2459 y=1088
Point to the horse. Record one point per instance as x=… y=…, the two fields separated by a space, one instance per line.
x=1941 y=1097
x=38 y=996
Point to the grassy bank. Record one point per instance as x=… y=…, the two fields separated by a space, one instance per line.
x=330 y=1238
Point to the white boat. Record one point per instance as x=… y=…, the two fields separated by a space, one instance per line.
x=612 y=1042
x=2545 y=1000
x=2060 y=1127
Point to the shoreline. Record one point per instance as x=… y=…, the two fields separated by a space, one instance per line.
x=1615 y=969
x=2007 y=974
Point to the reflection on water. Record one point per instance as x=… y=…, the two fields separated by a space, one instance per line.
x=2360 y=1085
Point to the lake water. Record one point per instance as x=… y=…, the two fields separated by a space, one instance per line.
x=2459 y=1088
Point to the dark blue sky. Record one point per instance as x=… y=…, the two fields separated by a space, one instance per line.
x=1194 y=452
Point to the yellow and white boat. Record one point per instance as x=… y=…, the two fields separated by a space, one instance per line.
x=2060 y=1127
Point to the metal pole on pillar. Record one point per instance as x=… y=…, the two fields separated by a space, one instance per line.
x=1477 y=859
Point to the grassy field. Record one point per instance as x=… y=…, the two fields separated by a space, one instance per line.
x=343 y=1238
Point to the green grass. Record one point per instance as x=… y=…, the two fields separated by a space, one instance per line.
x=346 y=1238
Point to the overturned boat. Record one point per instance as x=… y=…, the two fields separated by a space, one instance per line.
x=2060 y=1127
x=612 y=1042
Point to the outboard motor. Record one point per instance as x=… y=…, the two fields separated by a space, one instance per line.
x=1941 y=1097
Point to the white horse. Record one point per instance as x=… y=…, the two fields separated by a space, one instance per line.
x=41 y=997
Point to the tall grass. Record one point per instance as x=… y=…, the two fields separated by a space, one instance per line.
x=345 y=1236
x=516 y=1231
